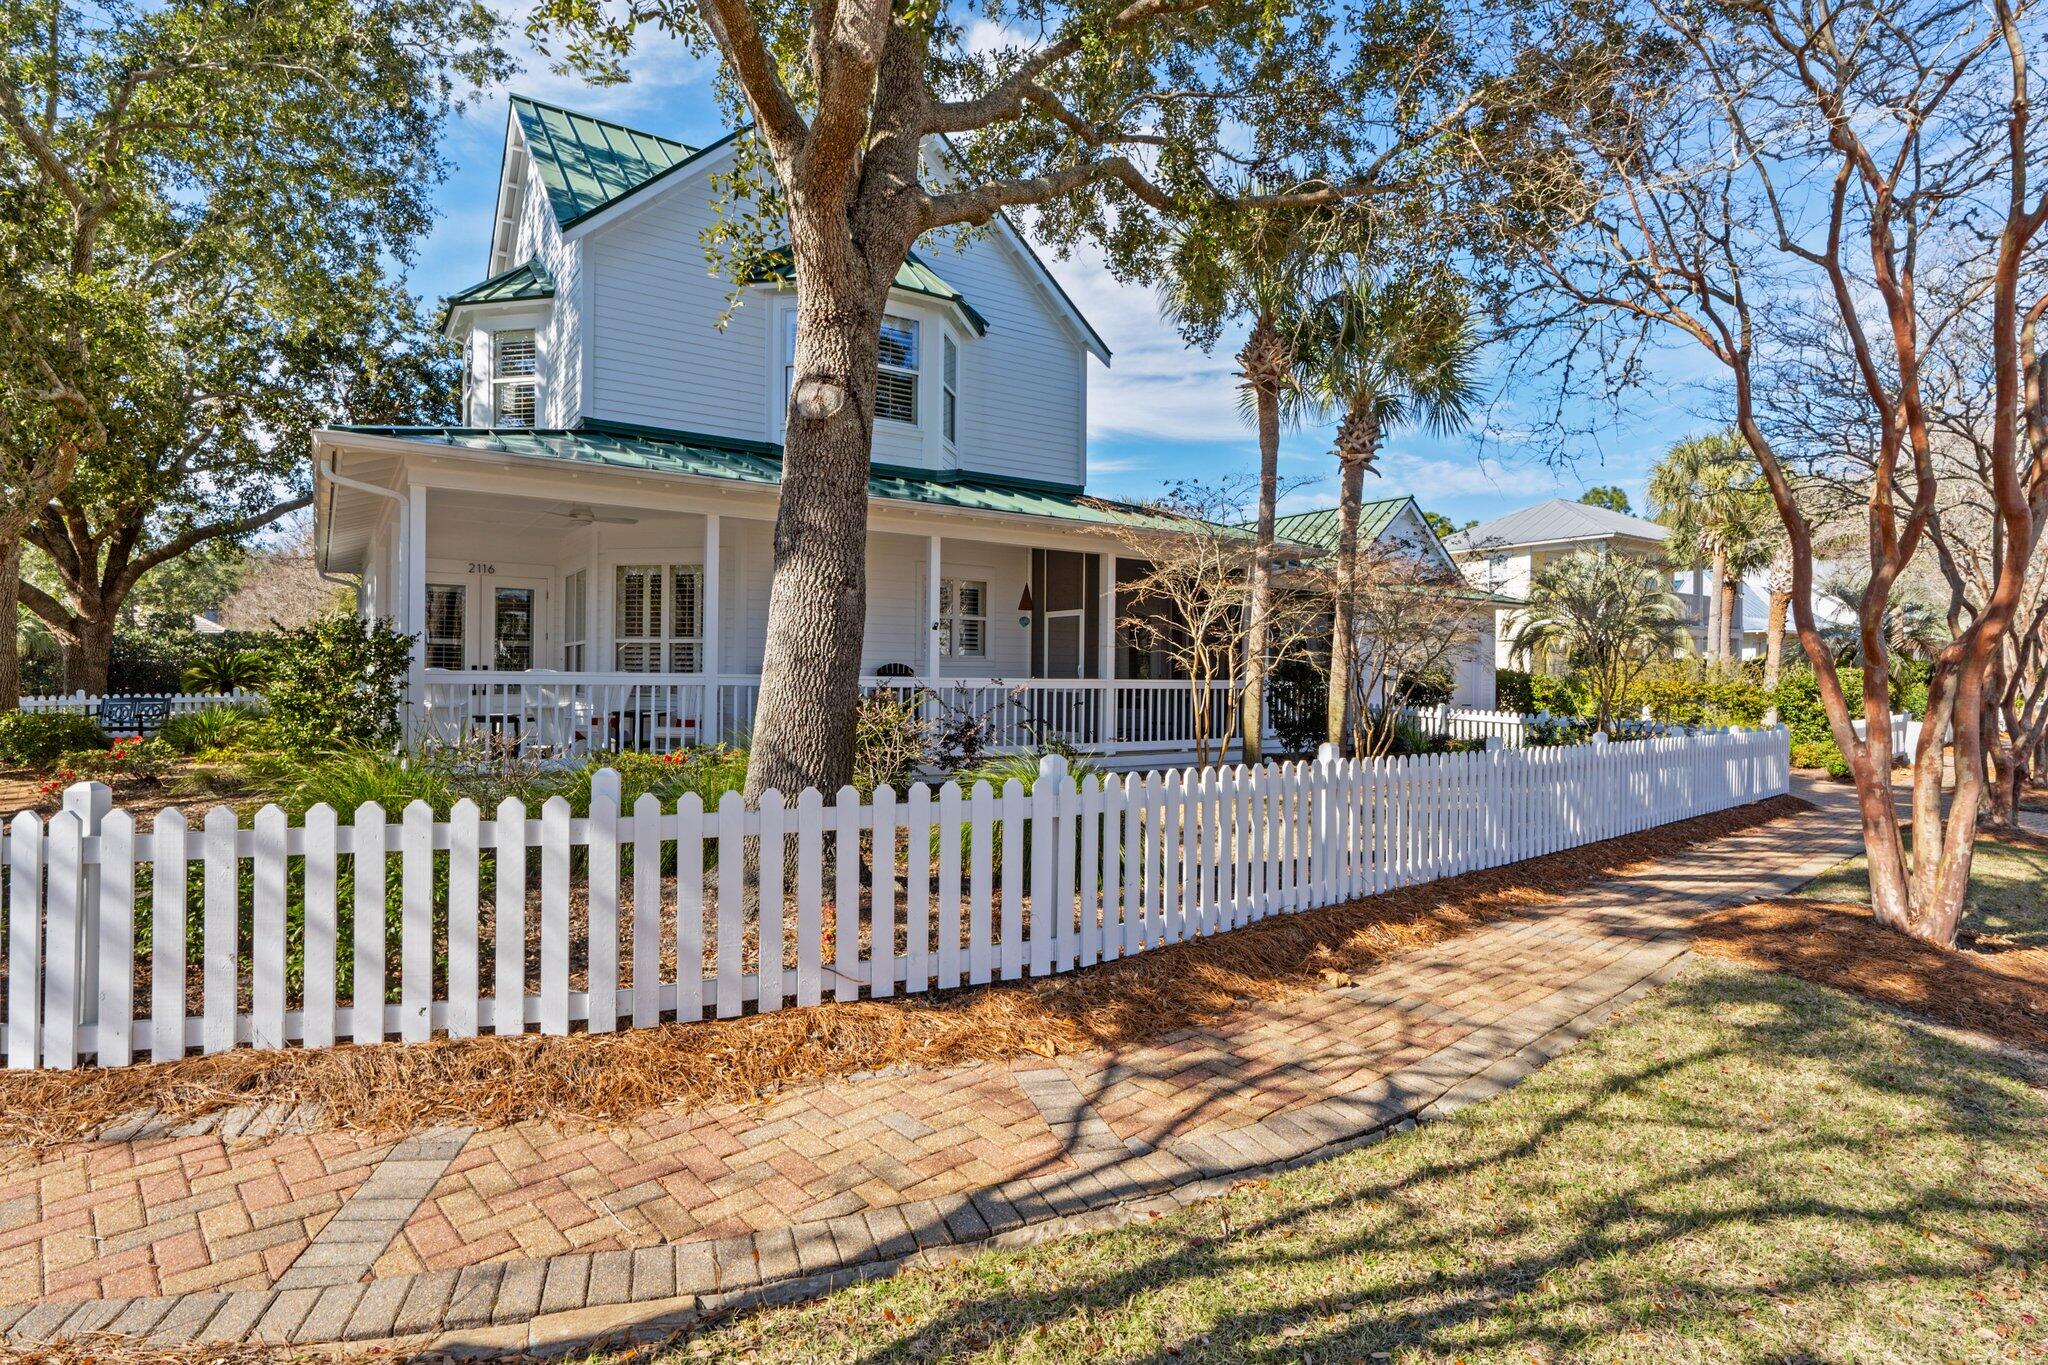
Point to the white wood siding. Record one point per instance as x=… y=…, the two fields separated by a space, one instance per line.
x=657 y=356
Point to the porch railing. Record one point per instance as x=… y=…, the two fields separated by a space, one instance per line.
x=581 y=713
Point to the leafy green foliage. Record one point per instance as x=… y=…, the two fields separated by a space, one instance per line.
x=133 y=758
x=892 y=740
x=37 y=739
x=201 y=204
x=1514 y=691
x=239 y=670
x=1799 y=704
x=1607 y=616
x=1297 y=697
x=1566 y=696
x=212 y=729
x=339 y=683
x=1611 y=496
x=1693 y=691
x=1821 y=753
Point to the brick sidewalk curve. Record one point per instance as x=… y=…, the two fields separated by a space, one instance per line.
x=530 y=1236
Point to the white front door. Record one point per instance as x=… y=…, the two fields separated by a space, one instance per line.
x=485 y=615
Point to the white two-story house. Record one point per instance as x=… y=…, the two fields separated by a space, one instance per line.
x=585 y=561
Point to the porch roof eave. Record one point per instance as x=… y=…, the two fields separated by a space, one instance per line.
x=417 y=456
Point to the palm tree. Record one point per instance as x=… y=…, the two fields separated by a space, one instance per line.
x=1607 y=616
x=1912 y=629
x=1706 y=490
x=1385 y=354
x=1254 y=266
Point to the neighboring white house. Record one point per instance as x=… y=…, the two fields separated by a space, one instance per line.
x=1505 y=554
x=587 y=558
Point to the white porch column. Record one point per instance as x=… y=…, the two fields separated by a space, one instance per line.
x=414 y=619
x=1105 y=646
x=932 y=560
x=708 y=655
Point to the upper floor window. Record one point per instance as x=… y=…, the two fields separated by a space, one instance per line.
x=514 y=385
x=949 y=375
x=896 y=380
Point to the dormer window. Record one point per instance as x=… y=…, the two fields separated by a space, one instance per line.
x=896 y=379
x=514 y=386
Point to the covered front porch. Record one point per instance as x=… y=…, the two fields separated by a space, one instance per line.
x=573 y=610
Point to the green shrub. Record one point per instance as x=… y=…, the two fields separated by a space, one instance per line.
x=338 y=683
x=346 y=779
x=213 y=729
x=1821 y=754
x=134 y=758
x=1695 y=692
x=226 y=670
x=1513 y=691
x=1430 y=687
x=37 y=739
x=1560 y=696
x=1298 y=699
x=1799 y=705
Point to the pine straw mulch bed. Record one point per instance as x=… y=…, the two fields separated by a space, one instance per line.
x=610 y=1078
x=1985 y=985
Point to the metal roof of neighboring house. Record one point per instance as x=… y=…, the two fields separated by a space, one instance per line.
x=521 y=282
x=914 y=276
x=1320 y=527
x=586 y=163
x=651 y=450
x=1549 y=523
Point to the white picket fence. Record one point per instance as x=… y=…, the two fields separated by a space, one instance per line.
x=126 y=704
x=929 y=890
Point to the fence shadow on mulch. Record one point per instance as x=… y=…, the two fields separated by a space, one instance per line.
x=610 y=1078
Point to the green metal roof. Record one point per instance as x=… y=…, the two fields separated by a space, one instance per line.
x=1320 y=528
x=528 y=281
x=587 y=163
x=654 y=451
x=915 y=276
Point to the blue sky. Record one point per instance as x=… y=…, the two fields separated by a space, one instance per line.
x=1161 y=411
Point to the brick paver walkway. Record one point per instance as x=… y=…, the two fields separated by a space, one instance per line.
x=529 y=1234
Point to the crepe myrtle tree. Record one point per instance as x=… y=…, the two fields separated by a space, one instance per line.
x=869 y=124
x=1855 y=181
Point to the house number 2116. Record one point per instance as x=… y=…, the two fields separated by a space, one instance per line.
x=483 y=568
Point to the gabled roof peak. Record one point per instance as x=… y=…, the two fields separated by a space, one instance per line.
x=1556 y=520
x=586 y=162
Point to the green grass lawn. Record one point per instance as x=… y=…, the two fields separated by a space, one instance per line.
x=2008 y=891
x=1743 y=1167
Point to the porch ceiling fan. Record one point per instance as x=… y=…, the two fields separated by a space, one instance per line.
x=589 y=516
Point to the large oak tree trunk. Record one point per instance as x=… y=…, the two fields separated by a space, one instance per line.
x=1343 y=644
x=89 y=657
x=817 y=601
x=10 y=624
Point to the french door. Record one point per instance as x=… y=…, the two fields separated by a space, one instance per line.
x=482 y=615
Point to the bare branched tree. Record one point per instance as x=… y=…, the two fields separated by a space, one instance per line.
x=1814 y=196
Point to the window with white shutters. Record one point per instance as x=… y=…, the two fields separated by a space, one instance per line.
x=896 y=377
x=951 y=378
x=514 y=385
x=963 y=619
x=658 y=618
x=447 y=613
